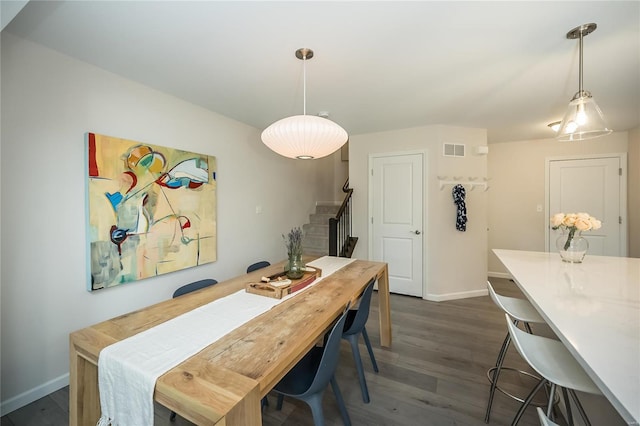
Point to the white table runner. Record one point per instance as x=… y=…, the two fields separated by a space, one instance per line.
x=128 y=370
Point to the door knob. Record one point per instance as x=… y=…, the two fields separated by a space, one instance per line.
x=416 y=232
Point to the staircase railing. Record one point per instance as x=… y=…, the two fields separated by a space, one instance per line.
x=341 y=242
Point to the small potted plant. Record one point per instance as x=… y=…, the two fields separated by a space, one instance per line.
x=293 y=241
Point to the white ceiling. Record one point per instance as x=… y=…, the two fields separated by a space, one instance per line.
x=504 y=66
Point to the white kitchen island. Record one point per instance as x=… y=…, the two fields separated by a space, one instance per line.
x=594 y=308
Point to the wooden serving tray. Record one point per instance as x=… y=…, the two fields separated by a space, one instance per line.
x=267 y=289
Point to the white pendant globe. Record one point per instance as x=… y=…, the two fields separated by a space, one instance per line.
x=304 y=137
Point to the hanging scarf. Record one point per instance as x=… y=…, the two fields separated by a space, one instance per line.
x=459 y=193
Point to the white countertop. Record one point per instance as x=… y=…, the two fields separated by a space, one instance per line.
x=594 y=308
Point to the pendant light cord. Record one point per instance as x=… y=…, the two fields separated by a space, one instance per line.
x=580 y=74
x=304 y=84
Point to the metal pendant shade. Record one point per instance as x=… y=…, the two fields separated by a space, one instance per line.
x=583 y=119
x=304 y=137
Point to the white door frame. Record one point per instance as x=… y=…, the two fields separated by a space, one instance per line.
x=425 y=213
x=623 y=192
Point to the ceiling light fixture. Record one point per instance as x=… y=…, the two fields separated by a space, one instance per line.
x=304 y=137
x=583 y=119
x=555 y=125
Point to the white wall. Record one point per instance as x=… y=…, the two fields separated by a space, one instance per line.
x=517 y=171
x=633 y=190
x=455 y=263
x=49 y=101
x=341 y=173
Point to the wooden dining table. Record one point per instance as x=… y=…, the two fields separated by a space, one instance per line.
x=224 y=383
x=594 y=309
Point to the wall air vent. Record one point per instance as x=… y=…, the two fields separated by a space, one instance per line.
x=453 y=150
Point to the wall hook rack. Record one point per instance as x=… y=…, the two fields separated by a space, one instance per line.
x=470 y=183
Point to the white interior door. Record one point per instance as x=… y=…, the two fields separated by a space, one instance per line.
x=593 y=186
x=396 y=200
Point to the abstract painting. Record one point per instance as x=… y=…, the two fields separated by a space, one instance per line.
x=151 y=210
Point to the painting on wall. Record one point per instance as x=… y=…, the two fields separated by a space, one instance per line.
x=151 y=210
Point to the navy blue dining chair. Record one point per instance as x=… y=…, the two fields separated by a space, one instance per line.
x=309 y=378
x=257 y=265
x=196 y=285
x=353 y=328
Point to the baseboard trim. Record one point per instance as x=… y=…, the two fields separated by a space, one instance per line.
x=454 y=296
x=34 y=394
x=505 y=275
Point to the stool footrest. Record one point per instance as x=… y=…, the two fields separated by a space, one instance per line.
x=510 y=395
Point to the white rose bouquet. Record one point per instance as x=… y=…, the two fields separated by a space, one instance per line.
x=574 y=222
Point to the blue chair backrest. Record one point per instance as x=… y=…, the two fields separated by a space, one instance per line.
x=197 y=285
x=330 y=357
x=258 y=265
x=363 y=309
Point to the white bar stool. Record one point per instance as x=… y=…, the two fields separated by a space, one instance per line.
x=544 y=420
x=552 y=360
x=520 y=310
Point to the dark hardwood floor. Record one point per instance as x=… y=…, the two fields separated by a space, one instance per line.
x=435 y=373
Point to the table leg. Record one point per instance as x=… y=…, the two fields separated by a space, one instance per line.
x=248 y=412
x=384 y=306
x=84 y=400
x=84 y=396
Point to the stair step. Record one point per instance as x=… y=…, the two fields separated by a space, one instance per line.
x=316 y=232
x=320 y=243
x=314 y=252
x=315 y=229
x=331 y=209
x=320 y=218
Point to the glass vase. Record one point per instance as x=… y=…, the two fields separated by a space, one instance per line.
x=572 y=246
x=294 y=267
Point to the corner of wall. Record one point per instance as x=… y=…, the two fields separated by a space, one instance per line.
x=633 y=192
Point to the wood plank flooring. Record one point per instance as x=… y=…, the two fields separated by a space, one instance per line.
x=435 y=373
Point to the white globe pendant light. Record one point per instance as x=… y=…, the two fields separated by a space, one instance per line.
x=304 y=137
